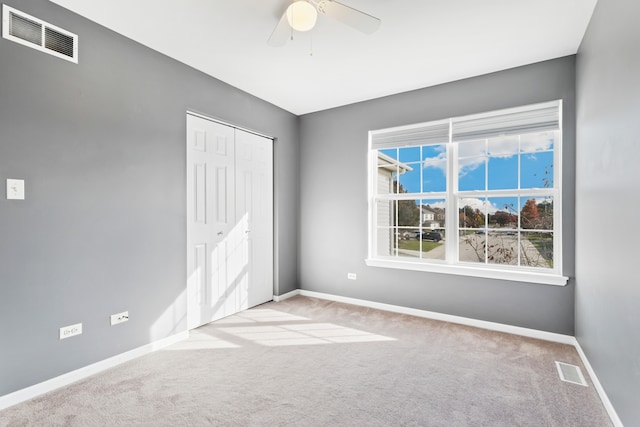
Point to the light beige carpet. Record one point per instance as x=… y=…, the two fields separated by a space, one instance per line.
x=310 y=362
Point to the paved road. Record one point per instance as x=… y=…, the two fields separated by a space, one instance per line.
x=472 y=250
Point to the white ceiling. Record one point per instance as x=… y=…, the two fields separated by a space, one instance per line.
x=420 y=43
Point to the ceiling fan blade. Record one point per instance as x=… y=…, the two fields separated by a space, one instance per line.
x=347 y=15
x=281 y=33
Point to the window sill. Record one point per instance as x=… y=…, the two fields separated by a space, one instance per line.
x=464 y=270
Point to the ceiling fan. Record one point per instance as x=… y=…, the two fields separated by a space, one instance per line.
x=301 y=15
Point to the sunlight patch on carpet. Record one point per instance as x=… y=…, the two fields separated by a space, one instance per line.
x=303 y=334
x=201 y=341
x=261 y=315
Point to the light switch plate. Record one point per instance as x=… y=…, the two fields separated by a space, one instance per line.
x=15 y=189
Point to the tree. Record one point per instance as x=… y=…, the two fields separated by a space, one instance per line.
x=545 y=211
x=471 y=218
x=547 y=178
x=529 y=215
x=408 y=211
x=503 y=218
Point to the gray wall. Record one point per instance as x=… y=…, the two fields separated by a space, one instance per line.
x=607 y=234
x=101 y=146
x=333 y=224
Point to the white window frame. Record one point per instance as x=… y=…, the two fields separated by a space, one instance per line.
x=451 y=265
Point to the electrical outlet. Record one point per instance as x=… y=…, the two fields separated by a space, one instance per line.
x=119 y=318
x=352 y=276
x=70 y=331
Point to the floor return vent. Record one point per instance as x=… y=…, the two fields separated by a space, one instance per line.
x=570 y=373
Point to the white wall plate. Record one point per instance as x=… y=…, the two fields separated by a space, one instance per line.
x=15 y=189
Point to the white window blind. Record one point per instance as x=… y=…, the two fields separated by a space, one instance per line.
x=530 y=119
x=538 y=118
x=424 y=134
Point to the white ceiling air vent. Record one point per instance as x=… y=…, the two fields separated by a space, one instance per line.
x=33 y=32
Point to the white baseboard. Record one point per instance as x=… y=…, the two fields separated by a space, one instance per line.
x=82 y=373
x=596 y=384
x=278 y=298
x=493 y=326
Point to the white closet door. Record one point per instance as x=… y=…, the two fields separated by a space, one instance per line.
x=229 y=212
x=254 y=207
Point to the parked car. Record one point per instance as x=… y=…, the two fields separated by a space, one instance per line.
x=411 y=234
x=408 y=235
x=432 y=235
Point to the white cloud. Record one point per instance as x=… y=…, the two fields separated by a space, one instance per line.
x=480 y=204
x=438 y=162
x=439 y=204
x=469 y=164
x=537 y=142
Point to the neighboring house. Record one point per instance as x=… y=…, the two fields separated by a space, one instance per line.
x=431 y=217
x=388 y=170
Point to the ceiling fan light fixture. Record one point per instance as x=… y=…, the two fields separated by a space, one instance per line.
x=302 y=16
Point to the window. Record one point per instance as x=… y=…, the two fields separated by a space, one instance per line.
x=476 y=195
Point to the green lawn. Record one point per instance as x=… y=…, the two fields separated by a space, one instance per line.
x=544 y=245
x=414 y=245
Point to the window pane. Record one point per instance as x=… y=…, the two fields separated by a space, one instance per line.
x=433 y=245
x=542 y=141
x=385 y=242
x=387 y=171
x=536 y=170
x=503 y=212
x=409 y=178
x=410 y=154
x=385 y=180
x=409 y=233
x=506 y=146
x=408 y=213
x=536 y=214
x=432 y=235
x=472 y=148
x=503 y=173
x=503 y=247
x=471 y=213
x=434 y=169
x=545 y=212
x=471 y=173
x=434 y=180
x=385 y=213
x=407 y=248
x=432 y=214
x=426 y=245
x=536 y=249
x=389 y=152
x=472 y=246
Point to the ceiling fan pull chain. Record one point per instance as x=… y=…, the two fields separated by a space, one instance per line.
x=292 y=17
